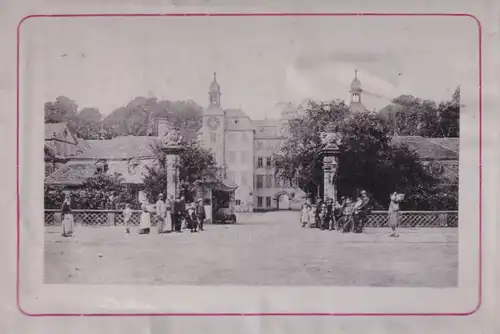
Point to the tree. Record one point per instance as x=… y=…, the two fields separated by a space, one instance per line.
x=62 y=109
x=139 y=117
x=88 y=123
x=411 y=116
x=196 y=164
x=368 y=159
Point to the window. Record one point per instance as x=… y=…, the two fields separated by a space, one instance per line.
x=268 y=162
x=260 y=181
x=238 y=202
x=232 y=157
x=269 y=181
x=259 y=162
x=268 y=201
x=259 y=201
x=213 y=138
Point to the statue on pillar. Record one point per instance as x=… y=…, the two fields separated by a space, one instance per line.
x=172 y=146
x=331 y=142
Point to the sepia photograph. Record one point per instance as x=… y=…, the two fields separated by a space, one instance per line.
x=250 y=154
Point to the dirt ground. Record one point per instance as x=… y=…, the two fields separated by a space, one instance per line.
x=262 y=249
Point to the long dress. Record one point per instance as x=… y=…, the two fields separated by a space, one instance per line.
x=393 y=212
x=68 y=223
x=145 y=224
x=168 y=217
x=304 y=217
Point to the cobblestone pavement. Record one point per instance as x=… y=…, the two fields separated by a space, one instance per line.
x=263 y=248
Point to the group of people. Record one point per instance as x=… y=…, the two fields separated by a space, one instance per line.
x=170 y=215
x=346 y=215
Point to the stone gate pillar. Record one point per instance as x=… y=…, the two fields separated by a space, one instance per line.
x=172 y=146
x=330 y=154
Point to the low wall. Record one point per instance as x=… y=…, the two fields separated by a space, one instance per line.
x=375 y=219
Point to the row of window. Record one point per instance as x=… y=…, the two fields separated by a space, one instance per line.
x=260 y=201
x=267 y=144
x=260 y=162
x=261 y=181
x=270 y=181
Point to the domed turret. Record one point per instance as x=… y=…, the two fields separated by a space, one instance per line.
x=214 y=86
x=356 y=106
x=356 y=84
x=214 y=92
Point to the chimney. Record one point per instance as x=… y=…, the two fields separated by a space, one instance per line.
x=163 y=127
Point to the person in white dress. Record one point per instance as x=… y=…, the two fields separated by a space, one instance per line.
x=145 y=225
x=127 y=216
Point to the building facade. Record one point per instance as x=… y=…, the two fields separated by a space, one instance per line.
x=244 y=149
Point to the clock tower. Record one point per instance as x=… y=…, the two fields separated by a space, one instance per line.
x=213 y=124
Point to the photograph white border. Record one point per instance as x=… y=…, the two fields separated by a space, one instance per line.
x=38 y=298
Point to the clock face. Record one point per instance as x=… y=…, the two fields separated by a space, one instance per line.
x=213 y=123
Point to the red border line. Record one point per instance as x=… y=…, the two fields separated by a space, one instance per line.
x=480 y=91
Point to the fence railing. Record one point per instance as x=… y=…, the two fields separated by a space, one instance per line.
x=375 y=218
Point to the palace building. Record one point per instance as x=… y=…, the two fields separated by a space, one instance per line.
x=244 y=149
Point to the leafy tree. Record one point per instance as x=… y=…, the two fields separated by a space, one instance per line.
x=368 y=159
x=411 y=116
x=139 y=117
x=62 y=109
x=88 y=123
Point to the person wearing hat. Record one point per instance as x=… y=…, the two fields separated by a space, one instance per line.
x=161 y=214
x=362 y=212
x=200 y=213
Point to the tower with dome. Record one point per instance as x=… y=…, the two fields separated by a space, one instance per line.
x=355 y=104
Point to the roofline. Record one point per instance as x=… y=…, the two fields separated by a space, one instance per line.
x=111 y=159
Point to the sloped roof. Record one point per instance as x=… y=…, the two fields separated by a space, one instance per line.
x=75 y=173
x=71 y=174
x=56 y=130
x=450 y=143
x=123 y=147
x=235 y=113
x=266 y=122
x=427 y=148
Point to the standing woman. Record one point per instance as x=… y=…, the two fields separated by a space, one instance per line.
x=168 y=219
x=68 y=223
x=304 y=216
x=393 y=214
x=145 y=225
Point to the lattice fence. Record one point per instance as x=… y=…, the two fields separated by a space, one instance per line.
x=416 y=219
x=95 y=217
x=375 y=219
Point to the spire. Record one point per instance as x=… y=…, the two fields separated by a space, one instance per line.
x=214 y=92
x=356 y=105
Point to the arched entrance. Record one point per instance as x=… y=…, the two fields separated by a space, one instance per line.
x=283 y=201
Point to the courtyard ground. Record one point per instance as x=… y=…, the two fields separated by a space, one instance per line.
x=263 y=248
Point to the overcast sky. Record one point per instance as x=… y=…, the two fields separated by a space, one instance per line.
x=260 y=61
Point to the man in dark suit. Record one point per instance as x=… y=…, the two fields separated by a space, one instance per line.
x=200 y=213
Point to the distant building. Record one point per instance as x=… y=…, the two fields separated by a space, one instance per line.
x=244 y=148
x=60 y=145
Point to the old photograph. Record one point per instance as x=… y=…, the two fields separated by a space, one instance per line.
x=252 y=151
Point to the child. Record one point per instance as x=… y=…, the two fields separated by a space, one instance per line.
x=191 y=220
x=127 y=215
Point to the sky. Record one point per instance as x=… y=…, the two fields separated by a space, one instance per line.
x=261 y=62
